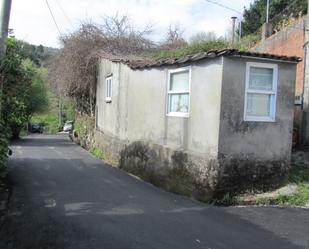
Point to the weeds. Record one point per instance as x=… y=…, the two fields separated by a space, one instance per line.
x=228 y=199
x=97 y=152
x=299 y=174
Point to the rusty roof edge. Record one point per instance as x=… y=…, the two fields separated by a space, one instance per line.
x=140 y=63
x=269 y=57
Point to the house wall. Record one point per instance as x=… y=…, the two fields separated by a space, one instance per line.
x=211 y=152
x=135 y=126
x=254 y=154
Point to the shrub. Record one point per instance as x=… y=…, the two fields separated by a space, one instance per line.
x=3 y=148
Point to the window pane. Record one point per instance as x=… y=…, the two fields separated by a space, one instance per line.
x=179 y=81
x=261 y=78
x=110 y=88
x=107 y=88
x=179 y=102
x=258 y=104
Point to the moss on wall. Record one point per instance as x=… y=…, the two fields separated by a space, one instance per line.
x=177 y=174
x=246 y=173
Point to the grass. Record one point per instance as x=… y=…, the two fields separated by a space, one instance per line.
x=191 y=49
x=97 y=152
x=227 y=200
x=299 y=174
x=244 y=45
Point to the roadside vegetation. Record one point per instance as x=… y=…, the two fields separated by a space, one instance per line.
x=83 y=132
x=4 y=142
x=57 y=113
x=299 y=174
x=24 y=91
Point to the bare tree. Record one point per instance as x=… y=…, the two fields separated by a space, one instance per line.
x=174 y=38
x=73 y=71
x=203 y=37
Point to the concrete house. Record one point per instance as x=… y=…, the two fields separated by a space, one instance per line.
x=201 y=125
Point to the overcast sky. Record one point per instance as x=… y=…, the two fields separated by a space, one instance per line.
x=32 y=21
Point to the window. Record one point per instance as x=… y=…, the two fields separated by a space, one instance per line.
x=178 y=92
x=108 y=89
x=261 y=92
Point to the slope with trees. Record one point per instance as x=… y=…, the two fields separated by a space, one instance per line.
x=279 y=11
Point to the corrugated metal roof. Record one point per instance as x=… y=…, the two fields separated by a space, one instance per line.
x=147 y=63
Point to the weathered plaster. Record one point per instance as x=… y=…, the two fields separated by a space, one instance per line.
x=221 y=153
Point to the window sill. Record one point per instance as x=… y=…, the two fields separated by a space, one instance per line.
x=259 y=119
x=178 y=114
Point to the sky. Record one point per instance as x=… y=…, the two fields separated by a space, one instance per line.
x=32 y=21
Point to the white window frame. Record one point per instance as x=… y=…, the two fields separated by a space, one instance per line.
x=108 y=86
x=169 y=93
x=272 y=92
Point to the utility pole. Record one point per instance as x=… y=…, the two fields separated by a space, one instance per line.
x=5 y=9
x=240 y=31
x=4 y=25
x=267 y=12
x=233 y=28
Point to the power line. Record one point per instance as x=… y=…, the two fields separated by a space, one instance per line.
x=64 y=13
x=52 y=15
x=224 y=6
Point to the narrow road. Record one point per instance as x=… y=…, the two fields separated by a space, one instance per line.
x=64 y=198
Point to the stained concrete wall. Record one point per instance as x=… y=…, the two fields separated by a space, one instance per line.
x=254 y=154
x=213 y=151
x=138 y=108
x=176 y=153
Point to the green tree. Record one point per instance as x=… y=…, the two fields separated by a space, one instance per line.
x=255 y=15
x=23 y=92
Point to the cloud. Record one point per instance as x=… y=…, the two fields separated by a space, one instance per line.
x=32 y=21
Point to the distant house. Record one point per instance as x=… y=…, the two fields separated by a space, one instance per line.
x=210 y=123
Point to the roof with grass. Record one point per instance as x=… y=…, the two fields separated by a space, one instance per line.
x=150 y=63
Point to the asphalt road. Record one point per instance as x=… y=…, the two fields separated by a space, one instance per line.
x=62 y=197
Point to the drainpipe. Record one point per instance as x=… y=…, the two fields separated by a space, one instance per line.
x=267 y=12
x=305 y=104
